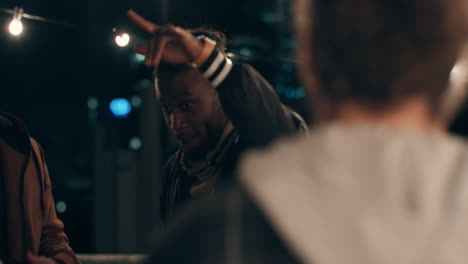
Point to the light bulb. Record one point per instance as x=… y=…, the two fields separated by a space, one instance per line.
x=122 y=40
x=16 y=27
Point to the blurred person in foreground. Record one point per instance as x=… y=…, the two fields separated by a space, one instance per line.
x=378 y=180
x=215 y=107
x=30 y=231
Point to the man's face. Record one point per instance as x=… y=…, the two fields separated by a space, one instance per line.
x=191 y=109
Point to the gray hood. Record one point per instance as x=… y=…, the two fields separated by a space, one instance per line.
x=357 y=194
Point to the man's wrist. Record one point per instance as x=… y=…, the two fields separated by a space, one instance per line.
x=209 y=46
x=216 y=67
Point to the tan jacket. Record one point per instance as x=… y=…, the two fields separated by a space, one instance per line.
x=29 y=206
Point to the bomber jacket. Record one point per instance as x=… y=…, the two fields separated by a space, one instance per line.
x=254 y=109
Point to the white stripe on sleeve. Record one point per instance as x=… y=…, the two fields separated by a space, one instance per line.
x=214 y=66
x=222 y=75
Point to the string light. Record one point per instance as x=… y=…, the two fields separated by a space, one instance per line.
x=16 y=26
x=122 y=40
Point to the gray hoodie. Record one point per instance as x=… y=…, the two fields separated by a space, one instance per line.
x=362 y=194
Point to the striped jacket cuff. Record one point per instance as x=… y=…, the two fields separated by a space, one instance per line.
x=216 y=68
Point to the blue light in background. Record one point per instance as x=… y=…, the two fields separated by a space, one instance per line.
x=137 y=58
x=291 y=92
x=61 y=207
x=297 y=93
x=120 y=107
x=270 y=17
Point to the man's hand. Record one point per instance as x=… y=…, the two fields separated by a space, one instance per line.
x=169 y=43
x=31 y=259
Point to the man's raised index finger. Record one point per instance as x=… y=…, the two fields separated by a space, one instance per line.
x=141 y=22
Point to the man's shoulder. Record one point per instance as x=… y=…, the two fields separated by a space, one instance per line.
x=13 y=133
x=289 y=154
x=282 y=149
x=278 y=158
